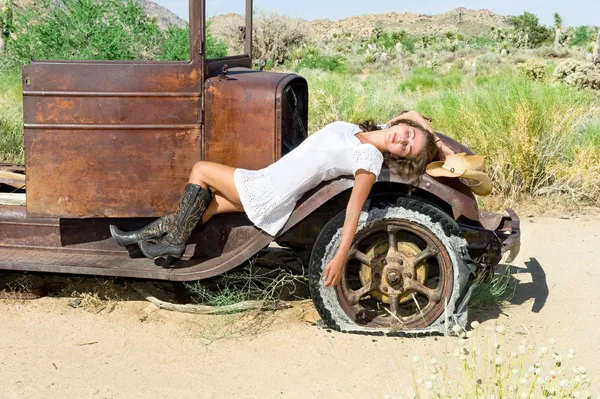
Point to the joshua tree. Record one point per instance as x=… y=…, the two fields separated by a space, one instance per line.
x=596 y=53
x=6 y=15
x=557 y=26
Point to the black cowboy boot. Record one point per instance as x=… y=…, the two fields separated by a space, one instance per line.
x=194 y=202
x=129 y=239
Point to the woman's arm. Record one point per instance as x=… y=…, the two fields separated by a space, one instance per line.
x=415 y=117
x=363 y=182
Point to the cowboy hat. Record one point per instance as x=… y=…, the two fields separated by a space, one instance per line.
x=465 y=167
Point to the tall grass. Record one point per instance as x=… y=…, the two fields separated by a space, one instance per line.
x=538 y=138
x=11 y=118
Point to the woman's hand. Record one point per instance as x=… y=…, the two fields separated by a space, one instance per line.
x=363 y=182
x=415 y=117
x=333 y=272
x=444 y=150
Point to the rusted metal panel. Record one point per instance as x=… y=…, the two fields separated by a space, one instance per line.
x=110 y=77
x=109 y=139
x=132 y=109
x=244 y=117
x=110 y=173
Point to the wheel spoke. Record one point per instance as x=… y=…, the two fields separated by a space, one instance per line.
x=432 y=295
x=361 y=256
x=355 y=296
x=392 y=239
x=394 y=300
x=424 y=255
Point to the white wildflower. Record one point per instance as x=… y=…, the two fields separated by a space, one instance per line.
x=500 y=329
x=523 y=380
x=474 y=325
x=513 y=354
x=564 y=383
x=456 y=328
x=572 y=351
x=522 y=349
x=429 y=385
x=433 y=361
x=498 y=361
x=543 y=350
x=515 y=371
x=415 y=359
x=558 y=359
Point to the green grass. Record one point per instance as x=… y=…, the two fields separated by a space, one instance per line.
x=538 y=138
x=11 y=118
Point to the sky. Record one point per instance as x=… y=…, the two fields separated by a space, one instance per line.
x=573 y=12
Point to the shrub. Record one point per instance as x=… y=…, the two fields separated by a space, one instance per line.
x=533 y=69
x=176 y=45
x=311 y=57
x=92 y=30
x=578 y=74
x=273 y=36
x=84 y=29
x=528 y=23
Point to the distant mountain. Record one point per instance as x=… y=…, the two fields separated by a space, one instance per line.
x=462 y=20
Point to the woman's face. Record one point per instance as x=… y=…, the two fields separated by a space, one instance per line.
x=405 y=141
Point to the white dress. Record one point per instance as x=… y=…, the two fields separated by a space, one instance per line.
x=269 y=195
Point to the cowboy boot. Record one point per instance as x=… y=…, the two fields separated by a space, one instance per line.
x=129 y=239
x=194 y=202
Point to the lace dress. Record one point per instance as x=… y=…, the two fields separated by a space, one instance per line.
x=269 y=195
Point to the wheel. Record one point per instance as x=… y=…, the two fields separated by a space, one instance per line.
x=408 y=272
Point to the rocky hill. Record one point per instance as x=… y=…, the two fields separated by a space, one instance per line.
x=463 y=20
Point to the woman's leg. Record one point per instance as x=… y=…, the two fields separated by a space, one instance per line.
x=219 y=179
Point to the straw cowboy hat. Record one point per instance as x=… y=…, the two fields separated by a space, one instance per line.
x=465 y=167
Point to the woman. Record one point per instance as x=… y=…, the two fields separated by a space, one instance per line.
x=268 y=196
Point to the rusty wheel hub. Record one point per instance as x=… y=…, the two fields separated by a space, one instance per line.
x=400 y=283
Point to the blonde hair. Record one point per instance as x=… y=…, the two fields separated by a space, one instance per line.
x=408 y=168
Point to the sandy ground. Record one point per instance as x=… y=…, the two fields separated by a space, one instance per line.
x=50 y=350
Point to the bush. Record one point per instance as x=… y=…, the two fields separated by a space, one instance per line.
x=273 y=36
x=309 y=56
x=579 y=74
x=92 y=30
x=176 y=45
x=533 y=70
x=528 y=23
x=84 y=29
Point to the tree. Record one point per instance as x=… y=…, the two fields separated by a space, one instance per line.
x=6 y=20
x=527 y=25
x=557 y=26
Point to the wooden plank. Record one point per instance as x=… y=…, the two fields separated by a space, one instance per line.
x=12 y=199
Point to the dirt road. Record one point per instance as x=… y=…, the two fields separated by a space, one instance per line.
x=50 y=350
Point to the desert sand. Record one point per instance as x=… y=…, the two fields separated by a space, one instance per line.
x=134 y=350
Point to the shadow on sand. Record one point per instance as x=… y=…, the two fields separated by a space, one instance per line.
x=518 y=293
